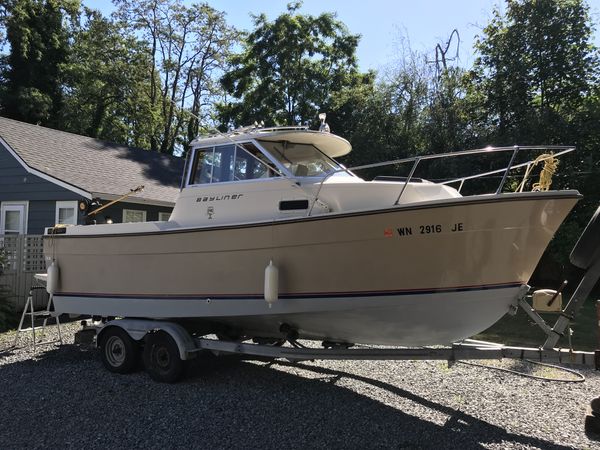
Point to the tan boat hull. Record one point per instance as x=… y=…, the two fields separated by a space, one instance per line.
x=389 y=276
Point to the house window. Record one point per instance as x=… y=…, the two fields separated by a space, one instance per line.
x=13 y=217
x=133 y=215
x=164 y=216
x=66 y=213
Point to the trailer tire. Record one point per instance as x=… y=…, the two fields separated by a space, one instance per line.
x=161 y=357
x=118 y=351
x=587 y=249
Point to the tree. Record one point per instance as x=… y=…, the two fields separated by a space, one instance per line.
x=187 y=48
x=38 y=32
x=289 y=69
x=106 y=84
x=536 y=67
x=537 y=79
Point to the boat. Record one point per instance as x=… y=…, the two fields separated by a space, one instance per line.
x=271 y=237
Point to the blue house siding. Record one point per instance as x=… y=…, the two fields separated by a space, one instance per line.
x=42 y=214
x=18 y=185
x=115 y=212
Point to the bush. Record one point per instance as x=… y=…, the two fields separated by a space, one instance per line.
x=7 y=312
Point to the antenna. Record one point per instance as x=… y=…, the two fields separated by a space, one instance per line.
x=324 y=128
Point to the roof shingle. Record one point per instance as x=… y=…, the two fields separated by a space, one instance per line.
x=93 y=165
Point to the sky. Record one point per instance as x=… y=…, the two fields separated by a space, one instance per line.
x=386 y=26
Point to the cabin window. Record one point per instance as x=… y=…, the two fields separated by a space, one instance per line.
x=202 y=168
x=66 y=213
x=213 y=165
x=230 y=163
x=251 y=163
x=134 y=215
x=164 y=216
x=302 y=160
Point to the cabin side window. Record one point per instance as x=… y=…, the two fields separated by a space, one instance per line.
x=230 y=163
x=251 y=164
x=202 y=167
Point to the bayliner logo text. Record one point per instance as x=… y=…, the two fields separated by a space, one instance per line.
x=217 y=198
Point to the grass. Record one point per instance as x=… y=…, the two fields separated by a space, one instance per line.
x=520 y=329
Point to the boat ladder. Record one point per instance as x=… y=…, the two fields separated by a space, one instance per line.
x=43 y=315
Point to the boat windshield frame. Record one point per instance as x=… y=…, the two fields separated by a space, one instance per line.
x=337 y=167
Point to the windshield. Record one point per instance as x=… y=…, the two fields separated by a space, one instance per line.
x=302 y=160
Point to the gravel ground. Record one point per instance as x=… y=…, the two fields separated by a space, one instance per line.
x=63 y=398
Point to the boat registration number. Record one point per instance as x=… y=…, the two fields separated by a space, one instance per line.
x=433 y=228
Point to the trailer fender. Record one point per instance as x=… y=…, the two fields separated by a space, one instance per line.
x=137 y=329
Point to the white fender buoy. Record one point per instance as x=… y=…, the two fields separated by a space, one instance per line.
x=52 y=280
x=271 y=283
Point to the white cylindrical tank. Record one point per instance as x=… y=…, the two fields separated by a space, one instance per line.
x=271 y=283
x=52 y=280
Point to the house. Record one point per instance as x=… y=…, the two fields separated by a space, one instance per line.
x=50 y=177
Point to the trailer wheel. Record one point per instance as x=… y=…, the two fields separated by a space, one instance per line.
x=119 y=353
x=161 y=358
x=587 y=249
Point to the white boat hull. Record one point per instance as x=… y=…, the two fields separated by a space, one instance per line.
x=422 y=318
x=411 y=275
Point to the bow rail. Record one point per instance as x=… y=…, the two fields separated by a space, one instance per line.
x=560 y=149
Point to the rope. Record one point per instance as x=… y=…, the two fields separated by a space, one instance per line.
x=549 y=169
x=580 y=377
x=52 y=239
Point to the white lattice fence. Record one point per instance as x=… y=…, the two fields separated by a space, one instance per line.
x=25 y=258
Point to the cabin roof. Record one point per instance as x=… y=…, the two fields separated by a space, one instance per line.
x=332 y=145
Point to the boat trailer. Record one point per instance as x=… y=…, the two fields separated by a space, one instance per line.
x=168 y=344
x=468 y=349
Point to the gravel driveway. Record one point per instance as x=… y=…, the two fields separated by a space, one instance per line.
x=63 y=397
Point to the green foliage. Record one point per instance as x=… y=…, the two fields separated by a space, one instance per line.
x=148 y=76
x=106 y=84
x=537 y=78
x=38 y=32
x=362 y=114
x=289 y=69
x=415 y=110
x=536 y=68
x=187 y=48
x=7 y=313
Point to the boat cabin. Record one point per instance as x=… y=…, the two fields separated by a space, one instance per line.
x=270 y=154
x=279 y=173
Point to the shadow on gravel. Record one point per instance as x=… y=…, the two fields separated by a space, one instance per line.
x=473 y=432
x=64 y=398
x=7 y=352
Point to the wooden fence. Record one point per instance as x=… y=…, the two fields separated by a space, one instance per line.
x=25 y=257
